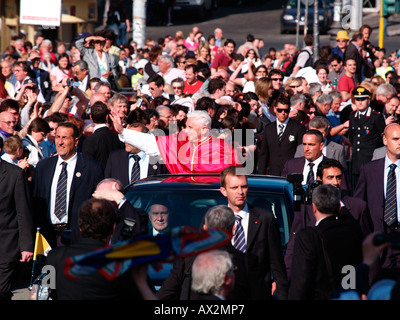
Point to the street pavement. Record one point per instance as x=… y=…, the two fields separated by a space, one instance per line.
x=263 y=21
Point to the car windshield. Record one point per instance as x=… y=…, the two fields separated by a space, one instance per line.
x=187 y=207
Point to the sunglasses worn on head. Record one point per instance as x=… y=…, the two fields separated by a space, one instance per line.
x=279 y=110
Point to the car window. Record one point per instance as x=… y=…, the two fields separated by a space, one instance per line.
x=188 y=207
x=292 y=4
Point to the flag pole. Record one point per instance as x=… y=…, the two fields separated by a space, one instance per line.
x=34 y=257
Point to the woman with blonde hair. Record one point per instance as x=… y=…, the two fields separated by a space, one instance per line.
x=263 y=89
x=293 y=86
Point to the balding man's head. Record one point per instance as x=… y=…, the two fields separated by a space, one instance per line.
x=98 y=96
x=391 y=139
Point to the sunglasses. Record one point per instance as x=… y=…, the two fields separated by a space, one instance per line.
x=176 y=88
x=276 y=79
x=279 y=110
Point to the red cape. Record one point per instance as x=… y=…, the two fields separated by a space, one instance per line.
x=211 y=155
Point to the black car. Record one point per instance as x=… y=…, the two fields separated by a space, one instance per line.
x=190 y=196
x=289 y=16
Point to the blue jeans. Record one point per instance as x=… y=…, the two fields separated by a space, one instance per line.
x=122 y=34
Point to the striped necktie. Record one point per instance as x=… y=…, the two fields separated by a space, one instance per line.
x=61 y=193
x=390 y=216
x=281 y=127
x=135 y=174
x=310 y=176
x=239 y=241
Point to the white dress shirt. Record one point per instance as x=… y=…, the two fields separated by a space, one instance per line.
x=244 y=214
x=143 y=164
x=71 y=164
x=385 y=176
x=307 y=168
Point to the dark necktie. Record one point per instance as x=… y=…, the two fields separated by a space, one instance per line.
x=61 y=193
x=135 y=174
x=390 y=216
x=310 y=176
x=239 y=241
x=281 y=127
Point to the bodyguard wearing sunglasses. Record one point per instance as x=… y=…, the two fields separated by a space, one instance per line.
x=365 y=131
x=280 y=140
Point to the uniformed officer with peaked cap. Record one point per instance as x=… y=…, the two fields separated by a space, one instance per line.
x=365 y=131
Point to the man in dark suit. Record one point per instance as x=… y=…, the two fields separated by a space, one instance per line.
x=121 y=162
x=97 y=218
x=42 y=77
x=365 y=131
x=331 y=149
x=131 y=221
x=99 y=145
x=16 y=221
x=249 y=284
x=329 y=171
x=322 y=251
x=313 y=145
x=260 y=229
x=280 y=140
x=74 y=175
x=353 y=51
x=373 y=187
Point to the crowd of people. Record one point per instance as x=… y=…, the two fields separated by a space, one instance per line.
x=85 y=120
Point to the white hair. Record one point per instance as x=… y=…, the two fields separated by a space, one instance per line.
x=209 y=270
x=201 y=115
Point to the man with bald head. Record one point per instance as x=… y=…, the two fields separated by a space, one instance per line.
x=379 y=186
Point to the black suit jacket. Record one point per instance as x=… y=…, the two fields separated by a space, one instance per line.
x=91 y=287
x=100 y=144
x=370 y=188
x=117 y=167
x=275 y=153
x=355 y=207
x=88 y=173
x=296 y=165
x=138 y=215
x=249 y=284
x=351 y=52
x=45 y=85
x=310 y=279
x=16 y=220
x=264 y=240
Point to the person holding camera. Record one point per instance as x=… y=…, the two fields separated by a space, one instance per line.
x=329 y=171
x=390 y=110
x=97 y=218
x=320 y=252
x=131 y=221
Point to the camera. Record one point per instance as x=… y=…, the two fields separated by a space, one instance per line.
x=72 y=83
x=139 y=102
x=127 y=230
x=393 y=238
x=301 y=194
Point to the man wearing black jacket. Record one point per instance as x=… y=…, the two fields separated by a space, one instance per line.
x=249 y=283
